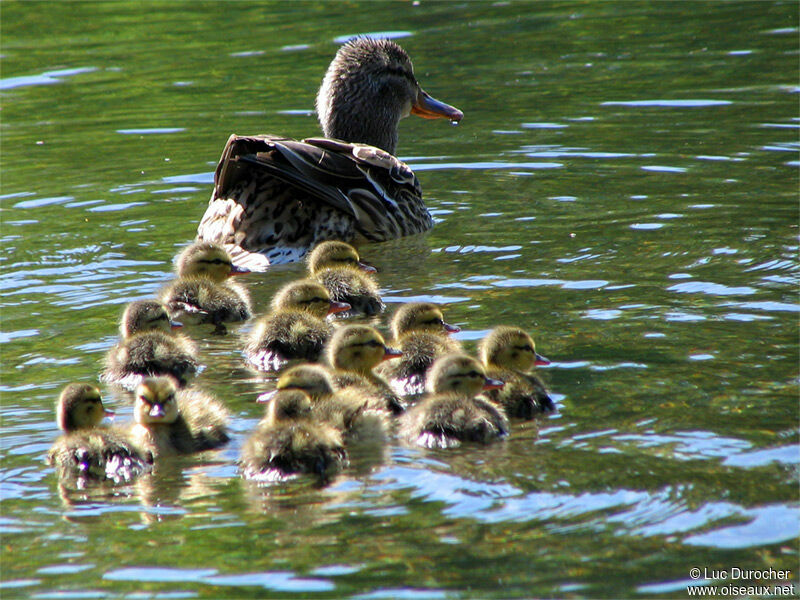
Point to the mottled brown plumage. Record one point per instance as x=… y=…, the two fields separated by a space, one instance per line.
x=274 y=197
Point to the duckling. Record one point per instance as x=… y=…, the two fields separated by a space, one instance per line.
x=86 y=449
x=350 y=410
x=450 y=413
x=275 y=197
x=353 y=352
x=173 y=421
x=148 y=347
x=421 y=334
x=202 y=293
x=508 y=353
x=338 y=267
x=288 y=442
x=296 y=329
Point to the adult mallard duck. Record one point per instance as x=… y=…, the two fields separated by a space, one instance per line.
x=450 y=413
x=203 y=293
x=421 y=334
x=87 y=450
x=338 y=267
x=148 y=347
x=287 y=442
x=275 y=197
x=295 y=329
x=353 y=352
x=508 y=354
x=173 y=421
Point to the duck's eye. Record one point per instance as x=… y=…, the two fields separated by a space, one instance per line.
x=525 y=348
x=474 y=375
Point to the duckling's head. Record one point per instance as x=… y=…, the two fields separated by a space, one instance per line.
x=420 y=316
x=510 y=348
x=79 y=407
x=336 y=254
x=309 y=296
x=155 y=401
x=288 y=405
x=369 y=86
x=461 y=375
x=145 y=315
x=206 y=259
x=310 y=379
x=358 y=348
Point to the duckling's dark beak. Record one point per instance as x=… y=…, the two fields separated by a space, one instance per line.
x=366 y=268
x=237 y=270
x=337 y=307
x=493 y=384
x=391 y=353
x=541 y=360
x=175 y=324
x=451 y=328
x=267 y=396
x=428 y=107
x=157 y=411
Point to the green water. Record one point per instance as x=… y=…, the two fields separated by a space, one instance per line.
x=624 y=185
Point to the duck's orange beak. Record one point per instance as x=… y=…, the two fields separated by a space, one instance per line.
x=428 y=107
x=493 y=384
x=175 y=325
x=337 y=307
x=391 y=353
x=541 y=360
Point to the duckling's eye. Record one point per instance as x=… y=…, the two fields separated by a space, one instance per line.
x=474 y=375
x=525 y=348
x=435 y=321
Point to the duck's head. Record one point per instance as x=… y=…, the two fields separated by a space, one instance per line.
x=145 y=315
x=420 y=316
x=461 y=375
x=206 y=259
x=79 y=407
x=358 y=348
x=336 y=254
x=309 y=296
x=288 y=405
x=155 y=401
x=369 y=86
x=510 y=348
x=310 y=379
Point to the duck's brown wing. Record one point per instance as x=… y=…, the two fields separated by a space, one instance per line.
x=278 y=197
